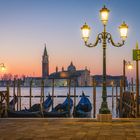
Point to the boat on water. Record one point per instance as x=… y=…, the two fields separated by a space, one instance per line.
x=83 y=108
x=23 y=114
x=45 y=105
x=34 y=111
x=61 y=110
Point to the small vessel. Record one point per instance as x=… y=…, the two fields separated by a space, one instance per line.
x=23 y=114
x=83 y=108
x=34 y=111
x=45 y=105
x=61 y=110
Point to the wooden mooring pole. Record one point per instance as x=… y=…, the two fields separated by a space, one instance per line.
x=116 y=100
x=19 y=94
x=43 y=90
x=69 y=85
x=112 y=95
x=74 y=93
x=121 y=93
x=94 y=98
x=30 y=100
x=7 y=100
x=14 y=90
x=53 y=93
x=41 y=97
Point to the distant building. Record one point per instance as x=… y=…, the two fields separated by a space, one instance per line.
x=109 y=80
x=45 y=64
x=80 y=77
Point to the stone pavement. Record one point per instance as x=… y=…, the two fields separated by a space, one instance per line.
x=69 y=129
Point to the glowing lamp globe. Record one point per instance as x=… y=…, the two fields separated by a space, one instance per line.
x=104 y=13
x=123 y=30
x=85 y=32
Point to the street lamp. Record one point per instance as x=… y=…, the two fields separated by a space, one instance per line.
x=2 y=67
x=104 y=38
x=129 y=66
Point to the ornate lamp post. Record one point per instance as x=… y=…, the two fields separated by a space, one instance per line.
x=2 y=66
x=104 y=38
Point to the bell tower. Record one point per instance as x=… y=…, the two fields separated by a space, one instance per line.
x=45 y=64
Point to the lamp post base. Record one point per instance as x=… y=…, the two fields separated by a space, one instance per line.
x=104 y=108
x=104 y=117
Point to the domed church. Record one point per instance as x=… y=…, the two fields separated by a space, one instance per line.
x=82 y=77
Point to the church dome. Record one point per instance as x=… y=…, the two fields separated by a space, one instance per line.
x=71 y=67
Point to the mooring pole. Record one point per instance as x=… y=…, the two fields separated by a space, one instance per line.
x=19 y=94
x=52 y=93
x=30 y=100
x=121 y=92
x=116 y=100
x=14 y=90
x=41 y=98
x=74 y=94
x=112 y=95
x=43 y=90
x=94 y=98
x=69 y=84
x=7 y=100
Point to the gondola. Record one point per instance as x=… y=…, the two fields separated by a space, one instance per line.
x=34 y=111
x=23 y=114
x=83 y=109
x=45 y=105
x=61 y=110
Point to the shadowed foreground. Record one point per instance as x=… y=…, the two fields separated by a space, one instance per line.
x=69 y=129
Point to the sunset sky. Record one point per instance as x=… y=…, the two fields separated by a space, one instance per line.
x=25 y=25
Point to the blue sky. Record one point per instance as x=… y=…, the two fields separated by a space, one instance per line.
x=25 y=25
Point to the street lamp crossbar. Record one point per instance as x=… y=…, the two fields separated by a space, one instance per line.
x=100 y=38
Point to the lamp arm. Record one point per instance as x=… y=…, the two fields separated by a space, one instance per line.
x=98 y=40
x=110 y=40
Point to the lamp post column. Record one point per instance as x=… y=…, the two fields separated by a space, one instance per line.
x=104 y=107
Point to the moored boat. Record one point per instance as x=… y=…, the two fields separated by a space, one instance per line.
x=34 y=111
x=45 y=105
x=61 y=110
x=23 y=114
x=83 y=108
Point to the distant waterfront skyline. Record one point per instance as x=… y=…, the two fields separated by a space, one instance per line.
x=26 y=26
